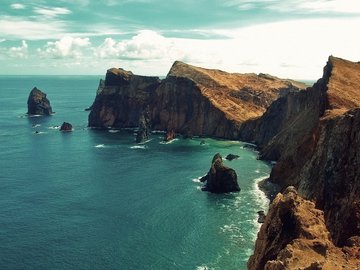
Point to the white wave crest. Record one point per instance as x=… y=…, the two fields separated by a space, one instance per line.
x=100 y=146
x=138 y=147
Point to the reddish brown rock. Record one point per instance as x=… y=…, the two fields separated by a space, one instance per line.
x=66 y=127
x=169 y=135
x=190 y=100
x=294 y=236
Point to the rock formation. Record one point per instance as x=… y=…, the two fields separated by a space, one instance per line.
x=144 y=131
x=66 y=127
x=38 y=104
x=294 y=236
x=190 y=100
x=220 y=179
x=169 y=135
x=315 y=134
x=231 y=157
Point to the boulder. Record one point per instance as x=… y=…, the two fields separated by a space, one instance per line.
x=170 y=135
x=220 y=179
x=38 y=104
x=66 y=127
x=231 y=157
x=261 y=217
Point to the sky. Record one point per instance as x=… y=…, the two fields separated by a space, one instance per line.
x=288 y=39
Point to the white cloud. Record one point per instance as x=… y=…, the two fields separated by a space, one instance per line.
x=66 y=47
x=19 y=52
x=147 y=45
x=314 y=6
x=17 y=6
x=23 y=28
x=51 y=12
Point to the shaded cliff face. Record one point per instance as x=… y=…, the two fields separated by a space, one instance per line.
x=38 y=104
x=120 y=99
x=190 y=100
x=316 y=141
x=294 y=236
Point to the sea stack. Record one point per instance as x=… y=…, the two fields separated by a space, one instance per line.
x=144 y=131
x=220 y=179
x=66 y=127
x=38 y=104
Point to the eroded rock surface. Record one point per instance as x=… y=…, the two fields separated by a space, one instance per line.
x=294 y=236
x=220 y=179
x=190 y=100
x=38 y=104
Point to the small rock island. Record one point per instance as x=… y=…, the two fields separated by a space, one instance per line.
x=38 y=104
x=220 y=179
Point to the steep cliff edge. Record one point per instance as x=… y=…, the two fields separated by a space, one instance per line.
x=190 y=100
x=294 y=236
x=316 y=143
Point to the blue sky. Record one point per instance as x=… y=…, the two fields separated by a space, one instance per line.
x=291 y=38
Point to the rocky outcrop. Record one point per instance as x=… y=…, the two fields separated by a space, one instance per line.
x=294 y=236
x=190 y=100
x=317 y=153
x=169 y=136
x=38 y=104
x=144 y=130
x=121 y=99
x=66 y=127
x=220 y=179
x=232 y=157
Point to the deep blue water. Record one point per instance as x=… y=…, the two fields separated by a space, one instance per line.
x=94 y=200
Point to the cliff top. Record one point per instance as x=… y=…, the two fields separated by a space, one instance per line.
x=234 y=81
x=240 y=96
x=344 y=84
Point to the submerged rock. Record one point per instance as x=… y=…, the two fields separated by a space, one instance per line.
x=220 y=179
x=232 y=157
x=66 y=127
x=38 y=104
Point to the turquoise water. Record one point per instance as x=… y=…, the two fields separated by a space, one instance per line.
x=94 y=200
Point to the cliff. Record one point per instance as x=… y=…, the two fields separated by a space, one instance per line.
x=315 y=135
x=294 y=236
x=190 y=100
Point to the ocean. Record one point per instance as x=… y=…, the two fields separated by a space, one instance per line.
x=91 y=199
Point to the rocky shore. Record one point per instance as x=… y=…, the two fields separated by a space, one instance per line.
x=313 y=133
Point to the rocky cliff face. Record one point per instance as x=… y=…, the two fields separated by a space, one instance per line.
x=294 y=236
x=321 y=160
x=190 y=100
x=38 y=104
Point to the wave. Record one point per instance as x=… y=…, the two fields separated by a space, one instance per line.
x=203 y=267
x=196 y=180
x=54 y=127
x=169 y=142
x=39 y=132
x=35 y=125
x=100 y=146
x=138 y=147
x=144 y=142
x=113 y=130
